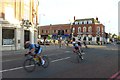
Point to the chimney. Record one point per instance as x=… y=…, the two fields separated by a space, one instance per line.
x=74 y=18
x=97 y=18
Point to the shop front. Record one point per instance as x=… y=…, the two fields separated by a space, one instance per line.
x=13 y=37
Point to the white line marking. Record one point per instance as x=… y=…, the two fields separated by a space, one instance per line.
x=9 y=60
x=60 y=59
x=11 y=69
x=31 y=65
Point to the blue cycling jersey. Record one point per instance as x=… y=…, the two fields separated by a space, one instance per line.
x=37 y=47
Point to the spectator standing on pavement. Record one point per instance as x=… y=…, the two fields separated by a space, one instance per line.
x=59 y=42
x=54 y=41
x=66 y=42
x=84 y=42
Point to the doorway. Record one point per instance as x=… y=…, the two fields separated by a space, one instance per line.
x=26 y=35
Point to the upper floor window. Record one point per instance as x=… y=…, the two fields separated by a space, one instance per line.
x=90 y=22
x=79 y=29
x=84 y=29
x=80 y=22
x=73 y=30
x=85 y=22
x=42 y=31
x=89 y=29
x=98 y=29
x=76 y=22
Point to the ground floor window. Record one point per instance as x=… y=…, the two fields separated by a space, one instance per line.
x=26 y=35
x=8 y=36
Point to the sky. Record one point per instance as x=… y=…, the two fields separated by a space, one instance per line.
x=63 y=12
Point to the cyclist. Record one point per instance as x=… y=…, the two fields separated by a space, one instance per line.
x=76 y=46
x=35 y=49
x=79 y=44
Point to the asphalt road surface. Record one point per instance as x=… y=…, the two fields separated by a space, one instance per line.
x=99 y=62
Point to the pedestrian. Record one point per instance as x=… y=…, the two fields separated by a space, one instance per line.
x=84 y=42
x=54 y=41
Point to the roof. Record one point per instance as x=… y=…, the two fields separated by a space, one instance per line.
x=84 y=19
x=55 y=25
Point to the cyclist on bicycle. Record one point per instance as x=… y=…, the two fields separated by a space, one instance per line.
x=35 y=49
x=77 y=47
x=80 y=46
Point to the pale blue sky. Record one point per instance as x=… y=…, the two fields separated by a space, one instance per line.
x=61 y=11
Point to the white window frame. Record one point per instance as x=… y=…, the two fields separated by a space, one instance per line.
x=90 y=22
x=84 y=29
x=76 y=22
x=79 y=29
x=85 y=22
x=98 y=28
x=89 y=29
x=80 y=22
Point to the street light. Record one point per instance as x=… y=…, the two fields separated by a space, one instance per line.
x=39 y=24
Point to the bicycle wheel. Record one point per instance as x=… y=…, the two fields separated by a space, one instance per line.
x=46 y=64
x=79 y=57
x=29 y=65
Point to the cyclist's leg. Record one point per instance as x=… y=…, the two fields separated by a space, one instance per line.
x=40 y=56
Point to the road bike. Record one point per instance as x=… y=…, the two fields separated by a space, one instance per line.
x=79 y=54
x=32 y=61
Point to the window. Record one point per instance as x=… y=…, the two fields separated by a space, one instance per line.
x=84 y=29
x=79 y=29
x=80 y=22
x=85 y=22
x=90 y=22
x=98 y=29
x=89 y=29
x=73 y=30
x=42 y=31
x=76 y=22
x=46 y=31
x=66 y=30
x=7 y=36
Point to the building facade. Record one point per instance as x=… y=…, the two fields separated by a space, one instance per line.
x=18 y=19
x=89 y=30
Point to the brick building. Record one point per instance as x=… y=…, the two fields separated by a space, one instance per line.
x=17 y=23
x=89 y=29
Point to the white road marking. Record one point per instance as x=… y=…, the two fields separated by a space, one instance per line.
x=9 y=60
x=30 y=66
x=60 y=59
x=11 y=69
x=67 y=51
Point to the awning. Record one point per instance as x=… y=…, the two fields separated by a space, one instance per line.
x=66 y=35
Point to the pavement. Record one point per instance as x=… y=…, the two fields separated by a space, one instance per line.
x=47 y=48
x=23 y=51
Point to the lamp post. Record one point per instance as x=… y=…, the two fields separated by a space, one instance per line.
x=39 y=24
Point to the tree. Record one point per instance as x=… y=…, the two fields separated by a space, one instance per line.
x=119 y=38
x=114 y=36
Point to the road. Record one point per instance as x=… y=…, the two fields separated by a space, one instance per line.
x=99 y=62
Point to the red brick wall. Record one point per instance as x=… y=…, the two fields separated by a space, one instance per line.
x=68 y=26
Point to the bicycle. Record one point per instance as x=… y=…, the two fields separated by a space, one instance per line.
x=79 y=54
x=30 y=63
